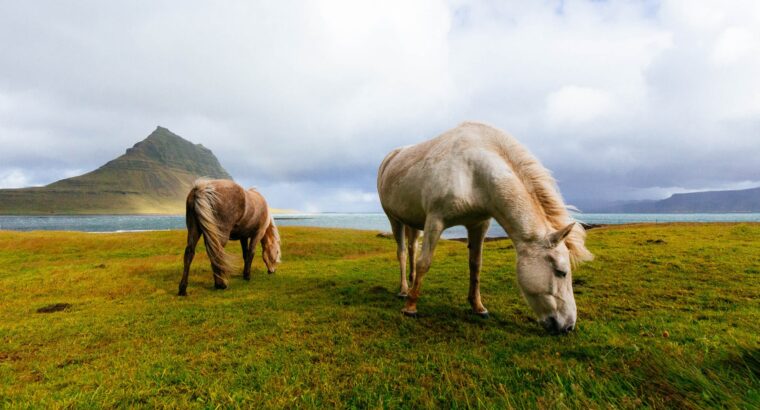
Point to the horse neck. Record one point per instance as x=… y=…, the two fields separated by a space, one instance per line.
x=520 y=214
x=255 y=201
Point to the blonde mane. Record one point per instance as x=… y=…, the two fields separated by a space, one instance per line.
x=540 y=184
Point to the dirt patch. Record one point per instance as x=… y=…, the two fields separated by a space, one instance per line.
x=8 y=357
x=656 y=241
x=58 y=307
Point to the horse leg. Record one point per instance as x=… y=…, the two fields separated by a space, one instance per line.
x=252 y=251
x=398 y=234
x=193 y=235
x=247 y=258
x=411 y=244
x=432 y=233
x=475 y=236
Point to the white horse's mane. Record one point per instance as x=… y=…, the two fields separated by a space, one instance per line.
x=540 y=184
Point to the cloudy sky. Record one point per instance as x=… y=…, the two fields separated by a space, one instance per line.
x=620 y=99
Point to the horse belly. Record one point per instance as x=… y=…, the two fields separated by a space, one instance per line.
x=405 y=208
x=247 y=228
x=447 y=191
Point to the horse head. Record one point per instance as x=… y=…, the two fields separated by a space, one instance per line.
x=544 y=273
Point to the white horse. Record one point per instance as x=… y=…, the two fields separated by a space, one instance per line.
x=466 y=176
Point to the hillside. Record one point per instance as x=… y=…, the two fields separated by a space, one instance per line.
x=153 y=177
x=745 y=200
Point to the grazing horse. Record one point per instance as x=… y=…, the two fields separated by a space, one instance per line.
x=221 y=210
x=467 y=176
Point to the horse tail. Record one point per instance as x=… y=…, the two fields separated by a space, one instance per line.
x=205 y=202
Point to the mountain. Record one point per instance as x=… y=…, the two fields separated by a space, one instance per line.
x=745 y=200
x=152 y=177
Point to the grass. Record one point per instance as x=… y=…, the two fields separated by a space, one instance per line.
x=669 y=316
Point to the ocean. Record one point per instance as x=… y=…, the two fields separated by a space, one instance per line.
x=367 y=221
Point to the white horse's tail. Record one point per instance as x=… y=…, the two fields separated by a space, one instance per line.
x=205 y=201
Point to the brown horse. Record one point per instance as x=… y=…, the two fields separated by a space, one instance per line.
x=221 y=210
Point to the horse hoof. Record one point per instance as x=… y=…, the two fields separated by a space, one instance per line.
x=271 y=272
x=483 y=315
x=247 y=277
x=402 y=295
x=182 y=293
x=410 y=314
x=218 y=286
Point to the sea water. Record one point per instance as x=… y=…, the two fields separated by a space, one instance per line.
x=366 y=221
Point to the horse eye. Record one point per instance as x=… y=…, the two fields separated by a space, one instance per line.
x=560 y=273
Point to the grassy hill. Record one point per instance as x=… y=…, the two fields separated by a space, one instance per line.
x=153 y=177
x=668 y=317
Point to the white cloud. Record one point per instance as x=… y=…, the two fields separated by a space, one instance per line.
x=575 y=105
x=31 y=177
x=615 y=97
x=13 y=178
x=357 y=196
x=316 y=197
x=733 y=44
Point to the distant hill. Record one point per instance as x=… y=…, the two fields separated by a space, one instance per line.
x=745 y=200
x=152 y=177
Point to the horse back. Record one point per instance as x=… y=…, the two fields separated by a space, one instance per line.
x=228 y=203
x=451 y=174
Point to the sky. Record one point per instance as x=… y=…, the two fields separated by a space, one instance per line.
x=621 y=100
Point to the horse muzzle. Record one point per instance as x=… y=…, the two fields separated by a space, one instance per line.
x=554 y=328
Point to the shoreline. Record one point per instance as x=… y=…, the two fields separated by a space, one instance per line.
x=368 y=222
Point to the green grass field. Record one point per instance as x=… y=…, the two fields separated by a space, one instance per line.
x=668 y=316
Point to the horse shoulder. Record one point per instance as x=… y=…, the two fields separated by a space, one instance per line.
x=258 y=203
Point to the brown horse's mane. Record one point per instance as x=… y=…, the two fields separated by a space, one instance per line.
x=540 y=184
x=272 y=240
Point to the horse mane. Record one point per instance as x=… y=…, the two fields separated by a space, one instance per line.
x=540 y=184
x=271 y=242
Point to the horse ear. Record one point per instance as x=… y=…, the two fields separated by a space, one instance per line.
x=556 y=237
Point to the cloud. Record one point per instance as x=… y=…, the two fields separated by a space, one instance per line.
x=573 y=105
x=734 y=44
x=304 y=99
x=317 y=197
x=13 y=178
